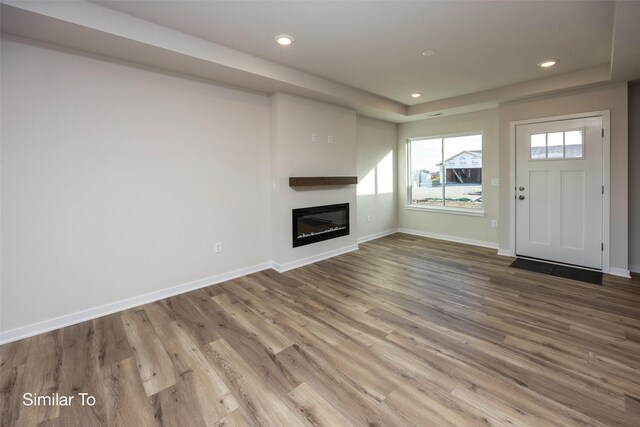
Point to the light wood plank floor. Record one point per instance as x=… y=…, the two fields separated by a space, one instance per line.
x=407 y=331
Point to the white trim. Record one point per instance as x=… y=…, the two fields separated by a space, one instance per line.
x=506 y=252
x=619 y=272
x=449 y=238
x=512 y=189
x=443 y=209
x=127 y=303
x=634 y=268
x=408 y=204
x=606 y=197
x=281 y=268
x=114 y=307
x=563 y=117
x=446 y=135
x=377 y=235
x=606 y=180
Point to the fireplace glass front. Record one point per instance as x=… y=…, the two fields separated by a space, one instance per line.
x=319 y=223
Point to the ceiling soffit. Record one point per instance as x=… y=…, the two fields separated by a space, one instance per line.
x=98 y=30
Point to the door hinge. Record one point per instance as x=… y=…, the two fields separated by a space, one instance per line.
x=602 y=247
x=603 y=189
x=603 y=132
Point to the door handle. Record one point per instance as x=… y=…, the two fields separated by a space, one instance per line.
x=521 y=197
x=521 y=188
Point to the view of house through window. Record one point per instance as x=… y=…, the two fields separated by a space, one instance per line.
x=446 y=172
x=557 y=145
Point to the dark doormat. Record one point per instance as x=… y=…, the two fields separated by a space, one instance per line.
x=594 y=277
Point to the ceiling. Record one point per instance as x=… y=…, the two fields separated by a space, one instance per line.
x=363 y=54
x=377 y=46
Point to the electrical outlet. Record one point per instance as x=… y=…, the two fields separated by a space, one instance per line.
x=314 y=137
x=218 y=247
x=330 y=139
x=494 y=223
x=368 y=218
x=495 y=182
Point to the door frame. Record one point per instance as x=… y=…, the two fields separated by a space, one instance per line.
x=606 y=177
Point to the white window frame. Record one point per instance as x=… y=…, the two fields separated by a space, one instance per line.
x=441 y=209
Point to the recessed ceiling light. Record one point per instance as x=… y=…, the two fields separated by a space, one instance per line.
x=416 y=95
x=284 y=39
x=429 y=52
x=548 y=63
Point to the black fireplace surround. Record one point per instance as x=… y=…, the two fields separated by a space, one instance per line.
x=319 y=223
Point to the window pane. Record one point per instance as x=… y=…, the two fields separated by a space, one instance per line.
x=426 y=159
x=539 y=146
x=573 y=144
x=555 y=145
x=463 y=172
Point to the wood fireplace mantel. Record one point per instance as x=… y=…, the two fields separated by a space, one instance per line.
x=307 y=181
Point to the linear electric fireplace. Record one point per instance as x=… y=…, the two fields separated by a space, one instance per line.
x=319 y=223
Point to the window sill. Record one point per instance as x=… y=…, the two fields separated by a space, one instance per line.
x=455 y=211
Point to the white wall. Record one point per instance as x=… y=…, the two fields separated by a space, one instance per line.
x=634 y=178
x=464 y=228
x=610 y=97
x=293 y=153
x=117 y=181
x=377 y=177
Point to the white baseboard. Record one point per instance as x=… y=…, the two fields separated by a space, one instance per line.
x=634 y=268
x=103 y=310
x=377 y=235
x=506 y=252
x=620 y=272
x=281 y=268
x=449 y=238
x=114 y=307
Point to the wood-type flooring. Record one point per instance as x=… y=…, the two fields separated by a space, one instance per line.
x=407 y=331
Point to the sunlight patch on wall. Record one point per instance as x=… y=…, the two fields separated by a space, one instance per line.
x=367 y=185
x=385 y=174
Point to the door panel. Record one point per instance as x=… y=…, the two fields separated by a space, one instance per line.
x=539 y=208
x=558 y=191
x=572 y=202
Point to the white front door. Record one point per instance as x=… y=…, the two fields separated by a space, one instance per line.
x=559 y=191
